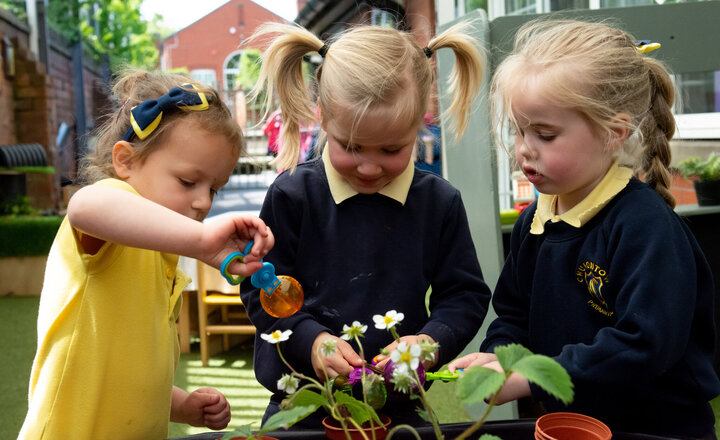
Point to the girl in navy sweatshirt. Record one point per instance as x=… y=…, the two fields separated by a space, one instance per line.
x=602 y=275
x=361 y=229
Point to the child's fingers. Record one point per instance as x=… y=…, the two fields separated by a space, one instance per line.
x=467 y=361
x=263 y=243
x=348 y=354
x=217 y=417
x=217 y=421
x=245 y=268
x=494 y=365
x=334 y=366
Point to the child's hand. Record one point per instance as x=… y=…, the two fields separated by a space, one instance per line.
x=229 y=234
x=342 y=362
x=203 y=407
x=471 y=360
x=410 y=340
x=515 y=387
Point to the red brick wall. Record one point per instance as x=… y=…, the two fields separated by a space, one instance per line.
x=207 y=43
x=683 y=190
x=34 y=103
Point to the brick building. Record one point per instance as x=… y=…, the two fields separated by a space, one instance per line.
x=210 y=48
x=36 y=99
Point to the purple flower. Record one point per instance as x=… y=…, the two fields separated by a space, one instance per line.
x=356 y=375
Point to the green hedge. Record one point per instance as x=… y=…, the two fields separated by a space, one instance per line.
x=27 y=236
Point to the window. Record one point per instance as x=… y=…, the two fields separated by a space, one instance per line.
x=622 y=3
x=379 y=17
x=205 y=76
x=697 y=109
x=700 y=92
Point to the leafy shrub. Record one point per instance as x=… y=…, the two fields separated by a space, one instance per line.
x=705 y=170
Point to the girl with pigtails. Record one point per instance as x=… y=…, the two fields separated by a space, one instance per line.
x=602 y=274
x=360 y=228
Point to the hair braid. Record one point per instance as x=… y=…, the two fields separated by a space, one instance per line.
x=657 y=130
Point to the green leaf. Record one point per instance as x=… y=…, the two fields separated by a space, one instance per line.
x=489 y=437
x=507 y=355
x=547 y=374
x=308 y=398
x=478 y=383
x=423 y=414
x=242 y=431
x=287 y=418
x=360 y=412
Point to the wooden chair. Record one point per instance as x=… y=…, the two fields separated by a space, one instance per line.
x=220 y=310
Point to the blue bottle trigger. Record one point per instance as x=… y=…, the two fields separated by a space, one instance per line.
x=265 y=278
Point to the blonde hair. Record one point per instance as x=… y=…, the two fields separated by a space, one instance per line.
x=596 y=70
x=136 y=86
x=364 y=69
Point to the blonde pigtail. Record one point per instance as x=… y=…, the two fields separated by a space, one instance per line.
x=281 y=72
x=466 y=77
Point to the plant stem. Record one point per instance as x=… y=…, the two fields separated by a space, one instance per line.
x=399 y=427
x=282 y=358
x=479 y=423
x=362 y=384
x=394 y=332
x=426 y=404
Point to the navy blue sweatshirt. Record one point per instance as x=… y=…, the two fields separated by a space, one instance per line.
x=625 y=304
x=366 y=256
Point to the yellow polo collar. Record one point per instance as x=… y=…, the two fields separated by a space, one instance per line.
x=614 y=181
x=341 y=190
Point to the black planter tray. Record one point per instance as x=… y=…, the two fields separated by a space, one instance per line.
x=522 y=429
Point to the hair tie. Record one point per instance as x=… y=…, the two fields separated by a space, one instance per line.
x=323 y=50
x=120 y=110
x=428 y=52
x=146 y=116
x=645 y=46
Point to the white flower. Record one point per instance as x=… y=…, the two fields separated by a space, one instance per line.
x=276 y=336
x=409 y=356
x=328 y=346
x=357 y=330
x=428 y=350
x=288 y=383
x=388 y=320
x=403 y=380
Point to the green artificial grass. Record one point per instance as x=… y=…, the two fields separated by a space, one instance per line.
x=18 y=319
x=231 y=373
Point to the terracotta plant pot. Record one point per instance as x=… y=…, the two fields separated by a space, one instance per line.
x=570 y=426
x=334 y=431
x=263 y=438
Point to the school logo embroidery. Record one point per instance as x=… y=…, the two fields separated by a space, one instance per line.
x=595 y=278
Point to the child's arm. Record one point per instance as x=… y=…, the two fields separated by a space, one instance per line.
x=119 y=216
x=342 y=362
x=514 y=388
x=203 y=407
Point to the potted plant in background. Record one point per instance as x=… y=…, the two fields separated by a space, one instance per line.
x=705 y=175
x=353 y=409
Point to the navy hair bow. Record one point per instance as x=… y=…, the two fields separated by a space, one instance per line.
x=146 y=116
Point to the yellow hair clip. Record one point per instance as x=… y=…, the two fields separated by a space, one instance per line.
x=645 y=46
